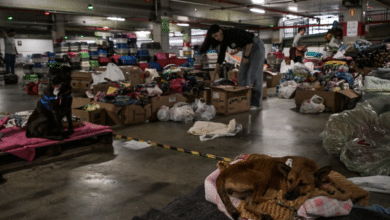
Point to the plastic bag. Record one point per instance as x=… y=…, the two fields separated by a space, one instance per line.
x=360 y=137
x=284 y=67
x=300 y=69
x=163 y=113
x=313 y=105
x=182 y=114
x=358 y=85
x=286 y=89
x=204 y=112
x=113 y=73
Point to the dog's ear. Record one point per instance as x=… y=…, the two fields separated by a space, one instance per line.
x=283 y=168
x=321 y=174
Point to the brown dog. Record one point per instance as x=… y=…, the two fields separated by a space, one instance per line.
x=251 y=178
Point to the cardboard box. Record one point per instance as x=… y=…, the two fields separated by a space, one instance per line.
x=230 y=100
x=272 y=78
x=133 y=114
x=132 y=74
x=335 y=101
x=82 y=75
x=264 y=90
x=112 y=113
x=96 y=117
x=205 y=95
x=81 y=84
x=102 y=87
x=232 y=74
x=169 y=101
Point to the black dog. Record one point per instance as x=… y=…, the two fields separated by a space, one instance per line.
x=55 y=104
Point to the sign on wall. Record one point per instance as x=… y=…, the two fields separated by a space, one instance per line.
x=352 y=12
x=352 y=28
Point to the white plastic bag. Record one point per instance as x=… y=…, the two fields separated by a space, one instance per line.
x=313 y=105
x=286 y=89
x=153 y=74
x=163 y=113
x=284 y=67
x=182 y=114
x=113 y=73
x=204 y=112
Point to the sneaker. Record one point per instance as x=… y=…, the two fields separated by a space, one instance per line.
x=253 y=108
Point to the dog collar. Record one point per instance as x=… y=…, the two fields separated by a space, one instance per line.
x=289 y=162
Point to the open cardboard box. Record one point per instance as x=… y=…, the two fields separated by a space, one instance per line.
x=81 y=84
x=112 y=113
x=335 y=101
x=96 y=117
x=229 y=100
x=272 y=78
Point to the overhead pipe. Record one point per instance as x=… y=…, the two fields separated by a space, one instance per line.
x=265 y=8
x=295 y=26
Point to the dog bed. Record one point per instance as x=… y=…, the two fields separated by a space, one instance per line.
x=14 y=139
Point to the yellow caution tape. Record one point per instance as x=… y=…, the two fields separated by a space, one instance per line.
x=167 y=147
x=210 y=156
x=180 y=150
x=118 y=136
x=195 y=153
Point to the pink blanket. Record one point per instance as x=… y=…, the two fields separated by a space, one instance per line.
x=14 y=139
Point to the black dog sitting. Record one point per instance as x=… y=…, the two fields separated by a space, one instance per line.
x=55 y=104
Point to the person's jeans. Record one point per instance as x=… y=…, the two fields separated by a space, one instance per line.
x=10 y=63
x=253 y=72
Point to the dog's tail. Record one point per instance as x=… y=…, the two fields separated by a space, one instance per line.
x=221 y=189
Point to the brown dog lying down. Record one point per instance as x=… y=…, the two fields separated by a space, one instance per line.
x=251 y=178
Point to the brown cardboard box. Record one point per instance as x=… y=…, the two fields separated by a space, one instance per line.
x=168 y=101
x=264 y=90
x=96 y=117
x=132 y=74
x=232 y=74
x=205 y=95
x=101 y=69
x=212 y=76
x=133 y=114
x=230 y=100
x=333 y=100
x=112 y=113
x=272 y=78
x=82 y=75
x=102 y=87
x=81 y=84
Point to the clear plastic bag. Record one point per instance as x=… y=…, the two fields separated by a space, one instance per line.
x=203 y=112
x=286 y=89
x=313 y=105
x=163 y=113
x=182 y=114
x=361 y=138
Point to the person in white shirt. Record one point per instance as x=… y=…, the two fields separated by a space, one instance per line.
x=297 y=43
x=10 y=51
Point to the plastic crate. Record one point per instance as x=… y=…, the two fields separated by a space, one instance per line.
x=84 y=56
x=74 y=57
x=128 y=60
x=94 y=55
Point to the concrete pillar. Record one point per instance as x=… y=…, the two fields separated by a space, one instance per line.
x=354 y=17
x=161 y=33
x=161 y=26
x=58 y=31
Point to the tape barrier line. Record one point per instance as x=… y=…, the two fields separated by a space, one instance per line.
x=180 y=150
x=166 y=147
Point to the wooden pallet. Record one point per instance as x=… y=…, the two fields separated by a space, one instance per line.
x=57 y=152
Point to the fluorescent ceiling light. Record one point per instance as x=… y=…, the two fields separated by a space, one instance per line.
x=115 y=19
x=183 y=24
x=260 y=2
x=182 y=18
x=261 y=11
x=292 y=8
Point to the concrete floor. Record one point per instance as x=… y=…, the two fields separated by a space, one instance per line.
x=128 y=183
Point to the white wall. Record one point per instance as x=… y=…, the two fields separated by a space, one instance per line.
x=30 y=46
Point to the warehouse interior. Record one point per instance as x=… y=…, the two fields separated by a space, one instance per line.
x=153 y=167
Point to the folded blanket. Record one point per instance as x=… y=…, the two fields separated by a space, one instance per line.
x=204 y=128
x=374 y=84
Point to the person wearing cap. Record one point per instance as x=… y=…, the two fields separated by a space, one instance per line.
x=253 y=55
x=10 y=51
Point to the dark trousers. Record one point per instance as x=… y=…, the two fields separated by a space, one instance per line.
x=10 y=63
